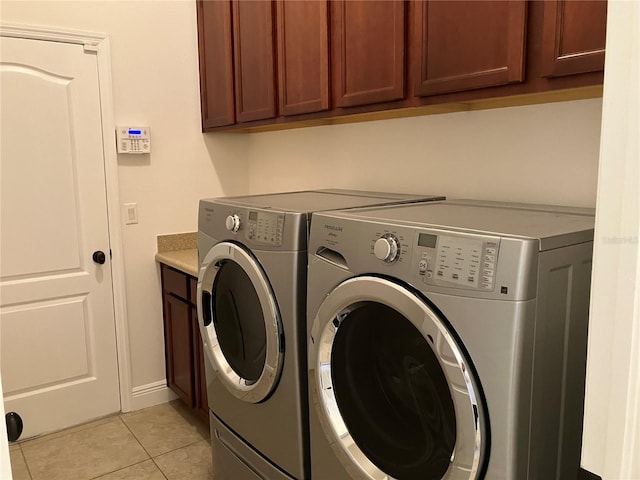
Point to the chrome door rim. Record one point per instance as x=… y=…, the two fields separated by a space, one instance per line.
x=248 y=391
x=469 y=450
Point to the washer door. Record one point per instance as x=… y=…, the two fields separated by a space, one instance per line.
x=240 y=322
x=395 y=390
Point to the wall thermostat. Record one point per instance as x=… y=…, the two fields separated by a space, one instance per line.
x=133 y=140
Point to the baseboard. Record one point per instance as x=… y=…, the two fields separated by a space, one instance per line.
x=586 y=475
x=151 y=394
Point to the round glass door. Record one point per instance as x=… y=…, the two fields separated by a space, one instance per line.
x=396 y=391
x=239 y=322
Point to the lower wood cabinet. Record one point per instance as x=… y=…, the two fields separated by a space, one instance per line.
x=184 y=353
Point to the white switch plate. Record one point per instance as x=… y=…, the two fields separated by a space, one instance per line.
x=130 y=213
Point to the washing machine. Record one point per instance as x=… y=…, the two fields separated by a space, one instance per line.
x=448 y=341
x=251 y=298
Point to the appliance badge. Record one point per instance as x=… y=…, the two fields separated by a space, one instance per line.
x=332 y=234
x=333 y=229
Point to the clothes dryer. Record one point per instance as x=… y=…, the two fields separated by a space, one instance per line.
x=448 y=341
x=251 y=308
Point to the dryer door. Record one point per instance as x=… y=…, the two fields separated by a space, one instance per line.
x=396 y=391
x=240 y=322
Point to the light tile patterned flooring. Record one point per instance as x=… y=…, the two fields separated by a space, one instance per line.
x=165 y=442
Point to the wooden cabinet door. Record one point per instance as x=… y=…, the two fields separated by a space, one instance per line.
x=201 y=403
x=253 y=54
x=303 y=56
x=573 y=37
x=462 y=45
x=179 y=347
x=216 y=63
x=368 y=51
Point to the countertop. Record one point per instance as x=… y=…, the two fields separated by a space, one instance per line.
x=179 y=251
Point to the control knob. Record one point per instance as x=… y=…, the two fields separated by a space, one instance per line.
x=387 y=248
x=233 y=223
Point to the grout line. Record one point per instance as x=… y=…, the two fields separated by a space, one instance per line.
x=24 y=459
x=159 y=468
x=136 y=438
x=119 y=469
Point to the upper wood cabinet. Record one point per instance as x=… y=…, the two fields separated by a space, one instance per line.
x=303 y=56
x=367 y=51
x=268 y=62
x=253 y=54
x=463 y=45
x=216 y=64
x=573 y=37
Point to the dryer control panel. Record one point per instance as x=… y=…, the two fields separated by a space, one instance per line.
x=265 y=227
x=467 y=261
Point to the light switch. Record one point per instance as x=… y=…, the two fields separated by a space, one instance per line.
x=130 y=213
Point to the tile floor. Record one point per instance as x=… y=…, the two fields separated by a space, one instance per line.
x=165 y=442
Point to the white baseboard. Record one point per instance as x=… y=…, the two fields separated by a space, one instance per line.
x=151 y=394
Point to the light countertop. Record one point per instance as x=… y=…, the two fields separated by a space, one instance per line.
x=179 y=251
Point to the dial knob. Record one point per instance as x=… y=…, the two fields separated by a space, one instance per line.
x=233 y=223
x=387 y=248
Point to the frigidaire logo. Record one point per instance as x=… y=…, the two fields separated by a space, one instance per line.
x=333 y=227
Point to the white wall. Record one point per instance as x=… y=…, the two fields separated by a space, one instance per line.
x=540 y=153
x=155 y=83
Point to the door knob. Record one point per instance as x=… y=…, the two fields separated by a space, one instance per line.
x=99 y=257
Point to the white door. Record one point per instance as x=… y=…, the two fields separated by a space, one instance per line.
x=57 y=330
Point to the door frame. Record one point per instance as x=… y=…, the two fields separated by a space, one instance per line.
x=100 y=44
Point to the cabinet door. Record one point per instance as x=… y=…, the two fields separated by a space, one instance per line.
x=254 y=61
x=368 y=51
x=179 y=347
x=201 y=403
x=216 y=63
x=463 y=45
x=303 y=56
x=573 y=37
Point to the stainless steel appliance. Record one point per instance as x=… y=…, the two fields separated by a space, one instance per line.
x=251 y=309
x=447 y=340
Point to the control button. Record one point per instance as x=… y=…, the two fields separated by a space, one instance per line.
x=422 y=265
x=486 y=286
x=487 y=272
x=233 y=223
x=429 y=274
x=490 y=258
x=387 y=248
x=471 y=279
x=454 y=276
x=489 y=265
x=440 y=273
x=487 y=279
x=490 y=250
x=425 y=254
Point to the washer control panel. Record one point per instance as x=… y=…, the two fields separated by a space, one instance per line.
x=467 y=261
x=265 y=227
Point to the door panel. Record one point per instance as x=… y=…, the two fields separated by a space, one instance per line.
x=303 y=56
x=254 y=60
x=463 y=45
x=573 y=37
x=216 y=63
x=367 y=51
x=56 y=308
